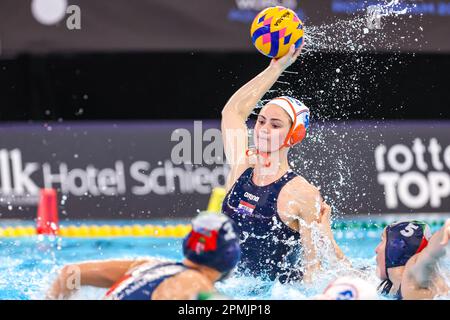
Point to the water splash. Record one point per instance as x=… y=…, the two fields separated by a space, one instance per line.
x=339 y=95
x=357 y=34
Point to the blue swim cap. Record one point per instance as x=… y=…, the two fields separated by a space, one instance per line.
x=403 y=240
x=213 y=242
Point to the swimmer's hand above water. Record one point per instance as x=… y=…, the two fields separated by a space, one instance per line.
x=432 y=253
x=288 y=59
x=59 y=289
x=422 y=269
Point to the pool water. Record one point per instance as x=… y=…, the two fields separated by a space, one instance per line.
x=29 y=264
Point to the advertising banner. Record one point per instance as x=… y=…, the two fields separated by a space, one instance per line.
x=167 y=169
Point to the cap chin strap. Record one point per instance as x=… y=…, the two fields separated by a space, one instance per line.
x=287 y=141
x=225 y=275
x=386 y=285
x=264 y=155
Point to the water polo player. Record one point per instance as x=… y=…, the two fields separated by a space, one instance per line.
x=265 y=198
x=211 y=251
x=407 y=260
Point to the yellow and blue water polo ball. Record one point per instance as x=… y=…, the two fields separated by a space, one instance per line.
x=275 y=29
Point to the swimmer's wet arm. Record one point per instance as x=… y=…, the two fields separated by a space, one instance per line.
x=309 y=217
x=243 y=101
x=101 y=274
x=234 y=117
x=424 y=269
x=325 y=221
x=104 y=274
x=311 y=262
x=241 y=104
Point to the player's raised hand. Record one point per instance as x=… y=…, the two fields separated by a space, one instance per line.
x=289 y=58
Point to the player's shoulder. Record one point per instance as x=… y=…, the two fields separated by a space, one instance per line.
x=409 y=278
x=193 y=278
x=193 y=275
x=411 y=289
x=303 y=186
x=408 y=273
x=183 y=286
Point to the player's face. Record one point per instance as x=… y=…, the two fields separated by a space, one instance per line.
x=381 y=257
x=271 y=129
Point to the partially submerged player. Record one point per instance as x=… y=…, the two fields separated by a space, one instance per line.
x=211 y=252
x=407 y=260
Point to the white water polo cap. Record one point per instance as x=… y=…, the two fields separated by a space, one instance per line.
x=299 y=114
x=346 y=288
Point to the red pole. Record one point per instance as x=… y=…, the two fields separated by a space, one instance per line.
x=47 y=214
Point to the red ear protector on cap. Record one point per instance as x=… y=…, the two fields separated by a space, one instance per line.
x=295 y=135
x=297 y=132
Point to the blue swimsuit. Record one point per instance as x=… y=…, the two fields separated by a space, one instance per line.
x=269 y=247
x=141 y=282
